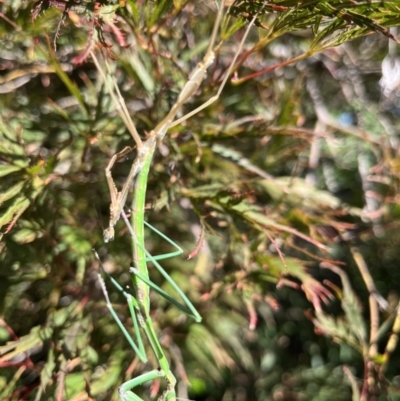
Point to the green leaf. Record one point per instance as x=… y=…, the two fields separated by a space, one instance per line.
x=25 y=236
x=46 y=375
x=26 y=343
x=12 y=191
x=5 y=170
x=14 y=211
x=74 y=90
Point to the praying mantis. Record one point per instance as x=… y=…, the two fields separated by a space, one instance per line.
x=139 y=304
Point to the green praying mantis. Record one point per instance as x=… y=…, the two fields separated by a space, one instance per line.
x=139 y=303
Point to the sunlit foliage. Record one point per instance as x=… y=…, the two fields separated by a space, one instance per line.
x=290 y=181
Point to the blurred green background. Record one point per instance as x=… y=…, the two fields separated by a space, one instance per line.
x=292 y=176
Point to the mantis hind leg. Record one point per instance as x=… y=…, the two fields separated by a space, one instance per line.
x=178 y=251
x=186 y=307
